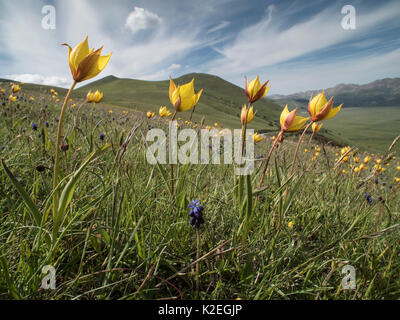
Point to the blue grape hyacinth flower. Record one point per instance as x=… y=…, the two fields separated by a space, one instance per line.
x=196 y=213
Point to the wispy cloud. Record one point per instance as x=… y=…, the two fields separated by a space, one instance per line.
x=221 y=25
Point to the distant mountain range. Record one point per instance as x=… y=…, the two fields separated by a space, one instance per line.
x=384 y=92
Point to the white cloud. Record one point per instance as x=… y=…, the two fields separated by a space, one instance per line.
x=40 y=79
x=174 y=66
x=142 y=19
x=219 y=26
x=268 y=44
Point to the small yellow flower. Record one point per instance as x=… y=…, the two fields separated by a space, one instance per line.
x=398 y=168
x=73 y=106
x=317 y=149
x=367 y=159
x=110 y=111
x=84 y=63
x=97 y=96
x=150 y=114
x=164 y=112
x=356 y=160
x=290 y=225
x=344 y=171
x=396 y=179
x=58 y=100
x=306 y=150
x=2 y=90
x=316 y=154
x=255 y=91
x=12 y=98
x=257 y=137
x=314 y=158
x=250 y=114
x=216 y=124
x=15 y=88
x=183 y=97
x=356 y=169
x=90 y=97
x=316 y=127
x=31 y=99
x=378 y=161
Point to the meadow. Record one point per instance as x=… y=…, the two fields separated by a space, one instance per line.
x=122 y=235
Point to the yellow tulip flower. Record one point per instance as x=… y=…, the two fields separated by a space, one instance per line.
x=316 y=127
x=150 y=114
x=257 y=137
x=396 y=179
x=398 y=168
x=90 y=97
x=290 y=224
x=97 y=96
x=183 y=97
x=250 y=114
x=110 y=111
x=12 y=98
x=367 y=159
x=15 y=88
x=164 y=112
x=84 y=63
x=290 y=121
x=320 y=109
x=31 y=99
x=254 y=90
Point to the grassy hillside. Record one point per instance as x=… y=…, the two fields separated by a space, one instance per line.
x=221 y=100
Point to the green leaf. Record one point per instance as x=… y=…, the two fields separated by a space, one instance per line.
x=68 y=191
x=33 y=210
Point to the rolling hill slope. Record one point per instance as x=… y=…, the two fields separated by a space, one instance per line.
x=220 y=102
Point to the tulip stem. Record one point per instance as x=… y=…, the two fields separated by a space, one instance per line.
x=291 y=171
x=57 y=156
x=269 y=157
x=172 y=166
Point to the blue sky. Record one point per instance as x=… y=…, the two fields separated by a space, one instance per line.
x=298 y=45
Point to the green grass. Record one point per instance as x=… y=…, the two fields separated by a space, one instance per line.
x=372 y=128
x=123 y=237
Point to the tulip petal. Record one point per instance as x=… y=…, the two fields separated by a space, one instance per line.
x=79 y=53
x=298 y=123
x=284 y=114
x=333 y=112
x=172 y=88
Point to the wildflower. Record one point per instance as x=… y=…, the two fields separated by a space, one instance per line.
x=306 y=150
x=84 y=63
x=110 y=111
x=290 y=224
x=314 y=159
x=317 y=149
x=47 y=124
x=376 y=181
x=31 y=99
x=97 y=96
x=250 y=114
x=164 y=112
x=320 y=109
x=344 y=171
x=396 y=179
x=367 y=159
x=102 y=135
x=368 y=198
x=183 y=97
x=257 y=137
x=356 y=170
x=378 y=161
x=290 y=121
x=90 y=97
x=316 y=127
x=3 y=103
x=196 y=213
x=15 y=88
x=34 y=126
x=255 y=91
x=398 y=168
x=216 y=124
x=12 y=98
x=150 y=114
x=356 y=160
